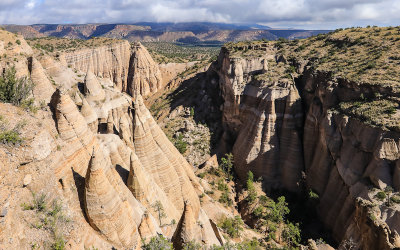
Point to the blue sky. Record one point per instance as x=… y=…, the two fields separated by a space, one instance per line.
x=309 y=14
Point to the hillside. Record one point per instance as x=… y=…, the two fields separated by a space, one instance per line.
x=284 y=144
x=188 y=33
x=321 y=115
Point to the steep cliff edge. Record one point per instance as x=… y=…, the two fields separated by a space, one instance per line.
x=109 y=62
x=97 y=164
x=144 y=74
x=263 y=111
x=319 y=114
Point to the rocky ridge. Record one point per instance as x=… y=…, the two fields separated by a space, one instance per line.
x=101 y=154
x=285 y=118
x=283 y=115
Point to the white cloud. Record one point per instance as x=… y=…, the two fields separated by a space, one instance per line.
x=276 y=13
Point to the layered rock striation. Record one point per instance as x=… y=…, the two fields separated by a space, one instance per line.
x=109 y=62
x=144 y=74
x=105 y=209
x=129 y=68
x=264 y=118
x=284 y=122
x=343 y=156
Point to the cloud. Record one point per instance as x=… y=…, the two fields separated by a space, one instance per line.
x=276 y=13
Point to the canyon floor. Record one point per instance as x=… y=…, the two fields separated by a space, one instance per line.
x=288 y=144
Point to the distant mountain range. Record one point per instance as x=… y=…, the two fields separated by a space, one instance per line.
x=190 y=32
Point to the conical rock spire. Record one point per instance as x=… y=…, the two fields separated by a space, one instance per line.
x=106 y=211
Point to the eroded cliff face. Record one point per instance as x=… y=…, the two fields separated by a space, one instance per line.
x=343 y=156
x=100 y=152
x=263 y=118
x=144 y=74
x=289 y=131
x=130 y=68
x=110 y=62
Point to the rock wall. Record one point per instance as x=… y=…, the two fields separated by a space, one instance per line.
x=132 y=143
x=343 y=155
x=373 y=227
x=109 y=61
x=103 y=154
x=131 y=70
x=291 y=133
x=144 y=74
x=265 y=122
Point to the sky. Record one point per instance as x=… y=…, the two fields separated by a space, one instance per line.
x=307 y=14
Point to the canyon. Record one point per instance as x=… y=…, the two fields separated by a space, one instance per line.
x=304 y=116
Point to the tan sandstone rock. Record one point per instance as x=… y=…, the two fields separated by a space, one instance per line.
x=108 y=62
x=90 y=115
x=107 y=212
x=43 y=89
x=144 y=74
x=92 y=88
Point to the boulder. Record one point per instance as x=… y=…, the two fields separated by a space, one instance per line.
x=27 y=180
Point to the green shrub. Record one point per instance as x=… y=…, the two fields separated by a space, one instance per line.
x=59 y=244
x=227 y=165
x=225 y=199
x=258 y=212
x=250 y=180
x=371 y=65
x=291 y=234
x=159 y=209
x=12 y=89
x=251 y=195
x=232 y=226
x=395 y=199
x=10 y=137
x=312 y=195
x=39 y=202
x=18 y=42
x=201 y=175
x=251 y=190
x=158 y=243
x=180 y=144
x=192 y=245
x=277 y=211
x=29 y=104
x=221 y=185
x=381 y=195
x=249 y=245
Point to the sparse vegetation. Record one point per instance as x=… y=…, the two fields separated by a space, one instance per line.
x=158 y=207
x=192 y=245
x=227 y=165
x=14 y=90
x=225 y=199
x=378 y=112
x=395 y=199
x=48 y=45
x=291 y=234
x=164 y=52
x=251 y=190
x=312 y=195
x=180 y=144
x=10 y=137
x=381 y=195
x=157 y=243
x=232 y=226
x=50 y=217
